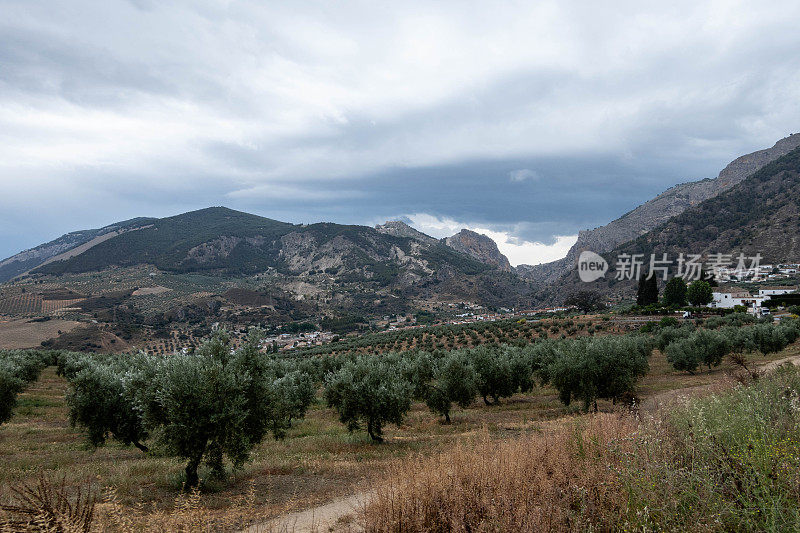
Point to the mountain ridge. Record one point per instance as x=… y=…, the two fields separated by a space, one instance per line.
x=660 y=209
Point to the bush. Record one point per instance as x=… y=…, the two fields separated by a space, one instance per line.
x=668 y=321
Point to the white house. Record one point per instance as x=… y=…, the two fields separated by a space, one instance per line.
x=729 y=297
x=772 y=291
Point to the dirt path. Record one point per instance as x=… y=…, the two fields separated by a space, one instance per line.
x=654 y=402
x=772 y=365
x=333 y=516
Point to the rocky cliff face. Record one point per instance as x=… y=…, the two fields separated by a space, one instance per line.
x=480 y=247
x=660 y=209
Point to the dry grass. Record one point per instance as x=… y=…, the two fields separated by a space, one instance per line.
x=21 y=333
x=558 y=480
x=728 y=460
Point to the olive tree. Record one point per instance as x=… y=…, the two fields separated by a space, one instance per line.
x=100 y=402
x=599 y=367
x=369 y=390
x=10 y=386
x=701 y=347
x=453 y=381
x=212 y=404
x=494 y=372
x=18 y=368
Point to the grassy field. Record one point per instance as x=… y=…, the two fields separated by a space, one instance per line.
x=319 y=459
x=23 y=333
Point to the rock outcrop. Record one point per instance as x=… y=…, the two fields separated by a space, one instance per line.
x=479 y=247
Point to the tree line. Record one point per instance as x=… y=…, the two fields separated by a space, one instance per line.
x=18 y=368
x=687 y=347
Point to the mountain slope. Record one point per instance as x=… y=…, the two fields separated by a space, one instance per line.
x=398 y=228
x=29 y=259
x=666 y=205
x=209 y=239
x=227 y=242
x=340 y=266
x=758 y=215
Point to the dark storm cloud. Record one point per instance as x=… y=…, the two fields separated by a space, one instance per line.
x=528 y=121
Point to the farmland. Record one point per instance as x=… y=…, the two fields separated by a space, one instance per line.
x=317 y=461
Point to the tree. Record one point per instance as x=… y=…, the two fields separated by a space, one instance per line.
x=675 y=292
x=586 y=301
x=10 y=386
x=699 y=293
x=369 y=389
x=17 y=368
x=100 y=402
x=495 y=377
x=701 y=347
x=647 y=291
x=454 y=380
x=600 y=367
x=203 y=407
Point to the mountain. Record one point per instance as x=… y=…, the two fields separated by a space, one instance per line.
x=479 y=247
x=66 y=245
x=341 y=267
x=758 y=215
x=398 y=228
x=657 y=211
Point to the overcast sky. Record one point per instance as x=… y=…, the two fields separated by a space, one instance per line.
x=527 y=121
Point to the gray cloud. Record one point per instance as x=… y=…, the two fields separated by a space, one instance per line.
x=535 y=120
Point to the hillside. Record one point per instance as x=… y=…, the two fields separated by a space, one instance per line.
x=398 y=228
x=657 y=211
x=217 y=264
x=24 y=261
x=760 y=214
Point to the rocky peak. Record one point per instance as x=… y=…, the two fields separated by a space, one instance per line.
x=397 y=228
x=480 y=247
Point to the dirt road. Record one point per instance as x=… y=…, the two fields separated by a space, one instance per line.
x=335 y=516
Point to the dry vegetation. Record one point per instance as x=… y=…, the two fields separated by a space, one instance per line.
x=725 y=461
x=526 y=440
x=23 y=333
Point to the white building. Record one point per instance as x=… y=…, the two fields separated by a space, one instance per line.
x=772 y=291
x=729 y=297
